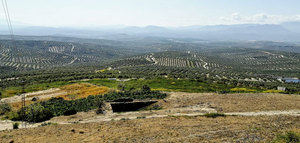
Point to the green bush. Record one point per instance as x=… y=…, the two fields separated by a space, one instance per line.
x=47 y=124
x=4 y=108
x=35 y=113
x=71 y=111
x=12 y=116
x=289 y=137
x=45 y=110
x=15 y=125
x=214 y=115
x=153 y=107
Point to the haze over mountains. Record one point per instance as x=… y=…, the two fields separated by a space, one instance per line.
x=288 y=31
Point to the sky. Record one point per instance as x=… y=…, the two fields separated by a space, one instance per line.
x=169 y=13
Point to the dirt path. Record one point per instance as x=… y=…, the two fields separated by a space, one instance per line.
x=186 y=104
x=190 y=111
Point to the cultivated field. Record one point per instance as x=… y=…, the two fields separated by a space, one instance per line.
x=250 y=117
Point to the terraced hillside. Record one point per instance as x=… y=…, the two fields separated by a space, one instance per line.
x=86 y=58
x=47 y=54
x=221 y=63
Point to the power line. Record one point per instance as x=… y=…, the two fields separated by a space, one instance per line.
x=10 y=28
x=8 y=20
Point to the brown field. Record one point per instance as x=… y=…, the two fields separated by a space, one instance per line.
x=167 y=129
x=241 y=102
x=180 y=120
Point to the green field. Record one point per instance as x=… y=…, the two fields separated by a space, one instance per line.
x=161 y=84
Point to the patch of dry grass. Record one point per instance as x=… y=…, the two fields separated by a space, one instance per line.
x=18 y=105
x=240 y=102
x=82 y=90
x=167 y=129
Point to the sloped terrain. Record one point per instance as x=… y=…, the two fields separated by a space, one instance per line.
x=47 y=54
x=180 y=120
x=222 y=63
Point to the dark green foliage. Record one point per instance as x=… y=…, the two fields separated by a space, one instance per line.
x=146 y=88
x=15 y=125
x=4 y=108
x=45 y=110
x=114 y=96
x=59 y=106
x=143 y=117
x=35 y=113
x=289 y=137
x=153 y=107
x=69 y=112
x=214 y=115
x=47 y=124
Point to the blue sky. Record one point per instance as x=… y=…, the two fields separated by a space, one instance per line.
x=85 y=13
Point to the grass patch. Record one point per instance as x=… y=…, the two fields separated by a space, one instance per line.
x=152 y=107
x=242 y=90
x=47 y=124
x=214 y=115
x=104 y=82
x=82 y=90
x=272 y=91
x=143 y=117
x=159 y=84
x=12 y=91
x=288 y=137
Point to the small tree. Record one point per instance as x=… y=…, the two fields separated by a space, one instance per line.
x=146 y=88
x=4 y=108
x=98 y=103
x=15 y=125
x=121 y=87
x=36 y=113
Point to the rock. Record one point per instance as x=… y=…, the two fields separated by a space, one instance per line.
x=34 y=99
x=73 y=130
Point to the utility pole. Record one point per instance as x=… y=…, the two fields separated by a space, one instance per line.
x=23 y=103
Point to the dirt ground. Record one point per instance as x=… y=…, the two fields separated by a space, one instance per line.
x=251 y=118
x=167 y=129
x=240 y=102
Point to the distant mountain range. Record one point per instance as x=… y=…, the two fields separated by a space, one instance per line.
x=289 y=31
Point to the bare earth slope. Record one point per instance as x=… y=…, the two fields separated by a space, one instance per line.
x=257 y=118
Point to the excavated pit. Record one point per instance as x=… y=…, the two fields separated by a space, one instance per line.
x=130 y=106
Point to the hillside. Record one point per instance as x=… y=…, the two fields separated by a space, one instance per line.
x=288 y=31
x=229 y=63
x=48 y=54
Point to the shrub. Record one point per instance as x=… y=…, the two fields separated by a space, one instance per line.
x=146 y=88
x=153 y=107
x=289 y=137
x=214 y=115
x=45 y=110
x=143 y=117
x=35 y=113
x=12 y=116
x=47 y=124
x=4 y=108
x=15 y=125
x=99 y=111
x=71 y=111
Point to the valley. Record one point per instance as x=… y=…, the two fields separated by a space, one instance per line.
x=149 y=90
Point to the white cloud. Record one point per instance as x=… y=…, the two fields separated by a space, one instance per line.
x=261 y=18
